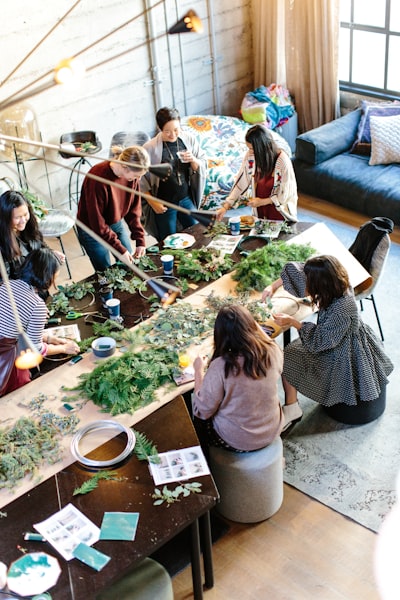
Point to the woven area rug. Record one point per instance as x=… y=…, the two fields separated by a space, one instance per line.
x=353 y=469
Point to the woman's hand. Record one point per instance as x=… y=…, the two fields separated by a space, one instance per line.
x=187 y=156
x=286 y=321
x=56 y=345
x=140 y=251
x=71 y=347
x=127 y=258
x=198 y=367
x=267 y=293
x=52 y=339
x=270 y=290
x=198 y=364
x=220 y=213
x=158 y=208
x=60 y=256
x=255 y=202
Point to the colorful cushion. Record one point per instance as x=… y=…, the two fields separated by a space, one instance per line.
x=385 y=140
x=362 y=144
x=222 y=138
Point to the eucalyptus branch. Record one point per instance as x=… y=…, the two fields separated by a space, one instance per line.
x=170 y=496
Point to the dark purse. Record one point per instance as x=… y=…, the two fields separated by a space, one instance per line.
x=8 y=353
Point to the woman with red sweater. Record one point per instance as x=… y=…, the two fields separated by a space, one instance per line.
x=104 y=208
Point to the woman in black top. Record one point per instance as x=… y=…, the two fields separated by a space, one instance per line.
x=185 y=185
x=19 y=231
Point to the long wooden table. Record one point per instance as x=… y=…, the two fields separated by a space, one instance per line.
x=14 y=405
x=25 y=500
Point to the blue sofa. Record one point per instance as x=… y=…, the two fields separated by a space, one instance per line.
x=326 y=169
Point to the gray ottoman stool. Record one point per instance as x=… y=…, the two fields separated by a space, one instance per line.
x=149 y=580
x=250 y=483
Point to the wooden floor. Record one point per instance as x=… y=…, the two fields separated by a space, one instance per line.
x=304 y=551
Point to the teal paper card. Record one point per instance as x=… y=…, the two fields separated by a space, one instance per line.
x=119 y=526
x=90 y=556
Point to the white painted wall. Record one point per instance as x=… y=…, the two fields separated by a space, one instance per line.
x=119 y=95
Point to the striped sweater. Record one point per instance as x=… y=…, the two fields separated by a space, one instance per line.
x=32 y=311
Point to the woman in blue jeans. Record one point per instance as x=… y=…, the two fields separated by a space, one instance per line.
x=110 y=212
x=185 y=185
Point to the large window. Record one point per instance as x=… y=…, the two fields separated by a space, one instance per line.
x=369 y=47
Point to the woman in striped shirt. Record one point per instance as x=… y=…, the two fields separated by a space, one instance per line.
x=38 y=274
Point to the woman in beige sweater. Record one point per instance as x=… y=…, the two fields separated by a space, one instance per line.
x=236 y=403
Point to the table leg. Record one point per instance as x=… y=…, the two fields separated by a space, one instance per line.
x=195 y=559
x=207 y=550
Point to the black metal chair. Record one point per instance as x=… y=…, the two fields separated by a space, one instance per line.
x=127 y=138
x=371 y=248
x=84 y=141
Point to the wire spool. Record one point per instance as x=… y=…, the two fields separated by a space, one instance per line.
x=250 y=243
x=95 y=427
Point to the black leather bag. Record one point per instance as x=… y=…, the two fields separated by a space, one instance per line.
x=368 y=238
x=8 y=353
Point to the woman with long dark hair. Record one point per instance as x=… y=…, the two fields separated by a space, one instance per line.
x=19 y=231
x=337 y=360
x=237 y=398
x=267 y=169
x=38 y=273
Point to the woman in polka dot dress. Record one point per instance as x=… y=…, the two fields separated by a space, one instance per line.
x=339 y=359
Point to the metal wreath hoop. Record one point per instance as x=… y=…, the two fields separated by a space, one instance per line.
x=97 y=426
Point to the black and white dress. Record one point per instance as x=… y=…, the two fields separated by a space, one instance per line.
x=338 y=359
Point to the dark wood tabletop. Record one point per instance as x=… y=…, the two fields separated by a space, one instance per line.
x=136 y=307
x=169 y=428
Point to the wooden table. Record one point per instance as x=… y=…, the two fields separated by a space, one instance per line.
x=29 y=502
x=169 y=428
x=14 y=405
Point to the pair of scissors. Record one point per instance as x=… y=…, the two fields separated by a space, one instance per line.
x=73 y=314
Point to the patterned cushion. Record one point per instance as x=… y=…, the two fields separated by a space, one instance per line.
x=362 y=144
x=222 y=138
x=385 y=140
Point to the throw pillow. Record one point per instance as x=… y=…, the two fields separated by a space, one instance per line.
x=362 y=144
x=385 y=140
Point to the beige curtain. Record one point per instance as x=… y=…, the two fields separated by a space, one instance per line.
x=295 y=43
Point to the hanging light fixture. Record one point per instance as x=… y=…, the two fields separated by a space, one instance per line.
x=190 y=22
x=69 y=69
x=28 y=356
x=19 y=121
x=166 y=292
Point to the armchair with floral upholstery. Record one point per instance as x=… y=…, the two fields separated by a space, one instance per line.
x=223 y=140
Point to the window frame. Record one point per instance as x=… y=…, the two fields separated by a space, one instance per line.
x=365 y=90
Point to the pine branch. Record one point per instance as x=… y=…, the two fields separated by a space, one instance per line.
x=91 y=484
x=145 y=449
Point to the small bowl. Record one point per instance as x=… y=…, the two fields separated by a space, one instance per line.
x=103 y=347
